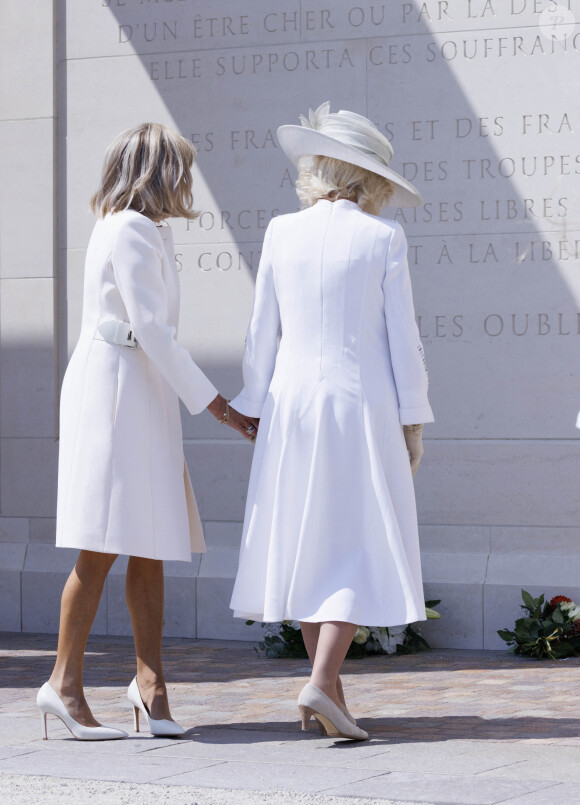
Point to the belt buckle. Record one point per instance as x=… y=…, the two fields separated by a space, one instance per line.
x=131 y=342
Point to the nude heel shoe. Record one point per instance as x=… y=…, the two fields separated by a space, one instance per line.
x=313 y=702
x=306 y=713
x=344 y=709
x=161 y=727
x=49 y=702
x=320 y=725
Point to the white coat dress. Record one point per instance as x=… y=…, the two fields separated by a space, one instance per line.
x=333 y=367
x=123 y=486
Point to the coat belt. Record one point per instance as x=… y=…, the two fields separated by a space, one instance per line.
x=117 y=332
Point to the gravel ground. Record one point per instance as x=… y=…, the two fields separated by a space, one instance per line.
x=25 y=789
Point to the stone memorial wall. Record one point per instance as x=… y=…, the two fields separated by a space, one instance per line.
x=479 y=101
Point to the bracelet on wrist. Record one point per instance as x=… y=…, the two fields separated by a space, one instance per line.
x=225 y=417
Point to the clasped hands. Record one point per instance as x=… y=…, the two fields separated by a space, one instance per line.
x=226 y=415
x=248 y=427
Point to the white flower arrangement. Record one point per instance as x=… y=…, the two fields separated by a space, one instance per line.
x=285 y=639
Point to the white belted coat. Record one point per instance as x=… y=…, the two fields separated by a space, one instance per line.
x=330 y=531
x=123 y=486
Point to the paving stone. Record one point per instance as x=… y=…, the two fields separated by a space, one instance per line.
x=15 y=751
x=17 y=730
x=436 y=759
x=557 y=794
x=132 y=745
x=435 y=789
x=253 y=746
x=446 y=726
x=551 y=767
x=269 y=777
x=99 y=767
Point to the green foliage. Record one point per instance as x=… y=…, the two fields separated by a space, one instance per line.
x=289 y=643
x=356 y=651
x=414 y=642
x=545 y=633
x=532 y=605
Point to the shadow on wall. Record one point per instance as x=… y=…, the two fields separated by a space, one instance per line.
x=493 y=249
x=494 y=304
x=28 y=477
x=27 y=405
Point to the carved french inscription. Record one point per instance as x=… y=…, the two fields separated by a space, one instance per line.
x=234 y=220
x=455 y=326
x=477 y=98
x=511 y=204
x=481 y=251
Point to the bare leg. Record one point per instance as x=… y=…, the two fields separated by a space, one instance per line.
x=144 y=592
x=311 y=633
x=334 y=640
x=79 y=603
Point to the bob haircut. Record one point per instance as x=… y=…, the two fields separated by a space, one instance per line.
x=325 y=177
x=147 y=169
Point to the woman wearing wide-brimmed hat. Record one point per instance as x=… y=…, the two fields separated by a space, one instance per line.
x=334 y=369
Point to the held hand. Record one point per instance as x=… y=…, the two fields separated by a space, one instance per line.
x=414 y=441
x=247 y=426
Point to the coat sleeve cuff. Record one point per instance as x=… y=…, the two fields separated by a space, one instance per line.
x=201 y=398
x=416 y=416
x=246 y=406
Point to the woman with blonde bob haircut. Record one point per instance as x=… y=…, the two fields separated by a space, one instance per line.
x=334 y=371
x=123 y=485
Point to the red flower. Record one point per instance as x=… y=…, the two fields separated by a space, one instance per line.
x=558 y=599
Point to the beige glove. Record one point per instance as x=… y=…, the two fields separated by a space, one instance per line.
x=414 y=441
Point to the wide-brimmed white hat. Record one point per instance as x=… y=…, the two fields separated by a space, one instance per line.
x=350 y=138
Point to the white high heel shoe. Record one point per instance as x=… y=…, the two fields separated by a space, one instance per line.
x=313 y=702
x=49 y=702
x=162 y=726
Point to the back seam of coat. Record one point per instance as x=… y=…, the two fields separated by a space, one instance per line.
x=323 y=247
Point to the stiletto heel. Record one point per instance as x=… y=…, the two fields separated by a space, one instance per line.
x=161 y=726
x=313 y=701
x=49 y=701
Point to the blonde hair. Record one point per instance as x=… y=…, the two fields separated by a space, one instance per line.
x=330 y=178
x=147 y=169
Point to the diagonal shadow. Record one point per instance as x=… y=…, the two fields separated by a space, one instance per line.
x=421 y=729
x=403 y=73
